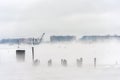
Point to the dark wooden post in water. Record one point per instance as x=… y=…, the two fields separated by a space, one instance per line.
x=33 y=54
x=50 y=62
x=64 y=62
x=79 y=62
x=94 y=62
x=20 y=55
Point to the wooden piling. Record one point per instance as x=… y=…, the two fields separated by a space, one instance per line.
x=50 y=62
x=94 y=62
x=64 y=62
x=79 y=62
x=33 y=53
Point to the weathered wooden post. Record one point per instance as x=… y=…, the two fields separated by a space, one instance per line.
x=79 y=62
x=94 y=62
x=64 y=62
x=35 y=61
x=33 y=54
x=50 y=62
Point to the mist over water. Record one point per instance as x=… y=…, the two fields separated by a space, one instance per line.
x=106 y=54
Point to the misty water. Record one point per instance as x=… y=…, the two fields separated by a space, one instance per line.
x=107 y=54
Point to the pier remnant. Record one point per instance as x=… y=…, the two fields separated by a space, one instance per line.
x=20 y=55
x=79 y=62
x=94 y=62
x=50 y=62
x=33 y=54
x=64 y=62
x=36 y=62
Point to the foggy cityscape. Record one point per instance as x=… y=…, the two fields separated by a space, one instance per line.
x=59 y=40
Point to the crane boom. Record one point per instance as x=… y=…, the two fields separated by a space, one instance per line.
x=40 y=40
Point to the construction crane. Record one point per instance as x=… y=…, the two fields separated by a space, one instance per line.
x=39 y=40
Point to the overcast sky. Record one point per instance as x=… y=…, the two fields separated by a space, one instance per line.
x=22 y=18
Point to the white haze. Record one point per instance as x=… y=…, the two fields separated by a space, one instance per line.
x=107 y=54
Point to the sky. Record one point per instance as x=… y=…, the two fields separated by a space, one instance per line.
x=26 y=18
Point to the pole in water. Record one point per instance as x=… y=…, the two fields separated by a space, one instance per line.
x=79 y=62
x=64 y=62
x=94 y=62
x=50 y=62
x=33 y=53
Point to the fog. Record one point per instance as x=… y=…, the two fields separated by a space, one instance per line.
x=106 y=54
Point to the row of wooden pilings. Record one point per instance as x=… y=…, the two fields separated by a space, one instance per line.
x=20 y=55
x=64 y=62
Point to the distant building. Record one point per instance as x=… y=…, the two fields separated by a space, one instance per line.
x=98 y=37
x=62 y=38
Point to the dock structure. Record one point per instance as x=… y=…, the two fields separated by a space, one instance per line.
x=20 y=55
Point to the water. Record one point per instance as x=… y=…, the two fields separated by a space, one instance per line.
x=106 y=54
